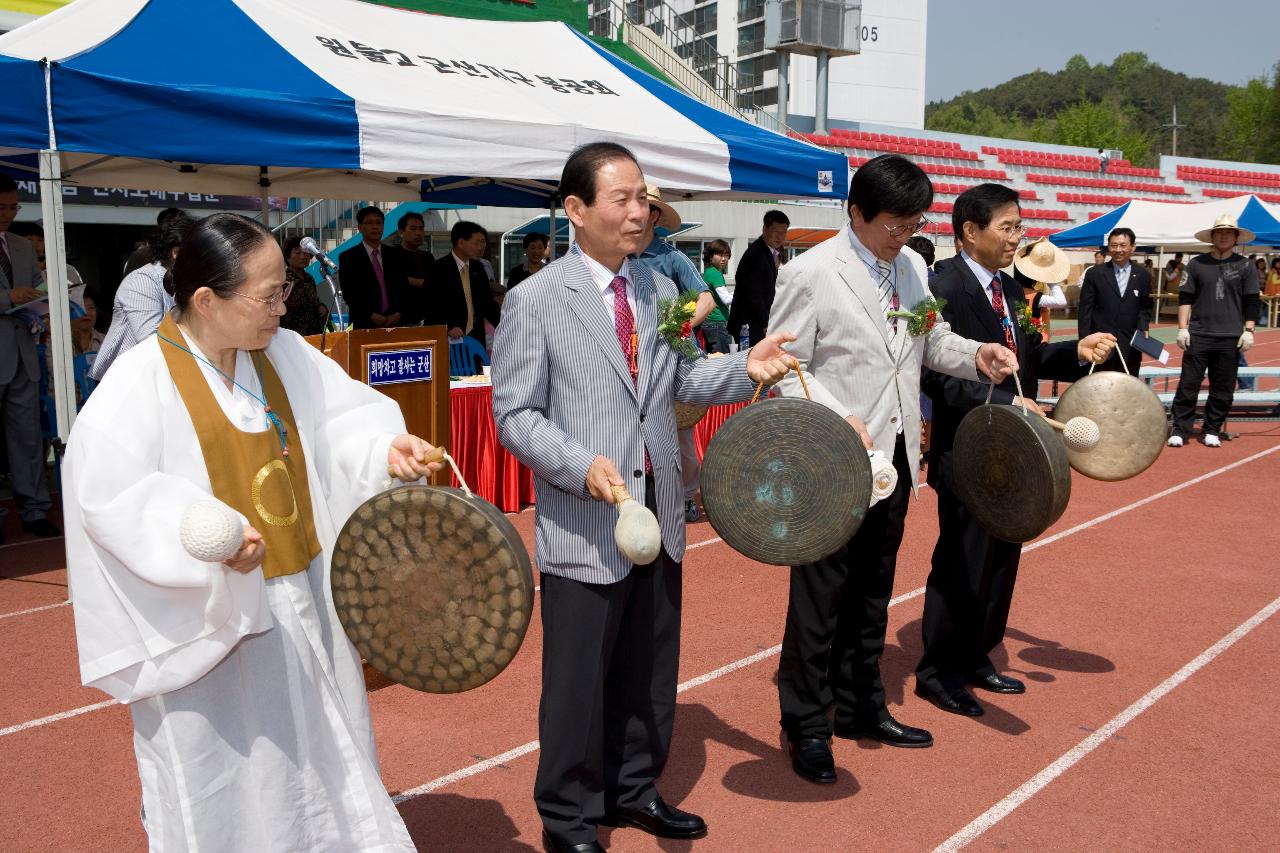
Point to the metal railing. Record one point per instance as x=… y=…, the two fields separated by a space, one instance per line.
x=328 y=221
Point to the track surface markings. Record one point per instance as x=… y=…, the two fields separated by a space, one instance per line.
x=764 y=654
x=1037 y=783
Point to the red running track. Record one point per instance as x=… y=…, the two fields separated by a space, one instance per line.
x=1114 y=607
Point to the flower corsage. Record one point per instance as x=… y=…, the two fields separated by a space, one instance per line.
x=675 y=323
x=923 y=317
x=1027 y=322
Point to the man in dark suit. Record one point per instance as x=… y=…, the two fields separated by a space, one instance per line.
x=20 y=372
x=462 y=299
x=755 y=278
x=373 y=276
x=584 y=394
x=970 y=586
x=419 y=267
x=1116 y=297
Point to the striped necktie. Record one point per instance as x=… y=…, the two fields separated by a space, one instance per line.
x=5 y=264
x=888 y=295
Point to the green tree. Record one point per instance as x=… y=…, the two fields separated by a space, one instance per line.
x=1248 y=122
x=1269 y=146
x=1104 y=124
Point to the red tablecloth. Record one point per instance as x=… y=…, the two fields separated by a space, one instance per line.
x=490 y=471
x=496 y=475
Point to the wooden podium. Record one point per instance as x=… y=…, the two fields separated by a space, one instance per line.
x=410 y=364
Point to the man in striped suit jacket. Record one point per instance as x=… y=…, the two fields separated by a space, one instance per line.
x=866 y=365
x=584 y=392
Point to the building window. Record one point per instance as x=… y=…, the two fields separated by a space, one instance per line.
x=749 y=10
x=751 y=38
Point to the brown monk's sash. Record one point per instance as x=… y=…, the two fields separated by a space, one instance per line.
x=246 y=469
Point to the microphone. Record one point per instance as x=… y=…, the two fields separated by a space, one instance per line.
x=309 y=246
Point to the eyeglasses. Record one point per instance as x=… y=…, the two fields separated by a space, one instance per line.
x=1008 y=231
x=10 y=208
x=272 y=301
x=913 y=228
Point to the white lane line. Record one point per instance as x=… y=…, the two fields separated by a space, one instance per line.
x=53 y=718
x=1037 y=783
x=764 y=654
x=33 y=610
x=525 y=749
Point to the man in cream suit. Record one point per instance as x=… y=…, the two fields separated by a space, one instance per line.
x=865 y=365
x=584 y=391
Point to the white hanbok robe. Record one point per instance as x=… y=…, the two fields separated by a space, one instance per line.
x=251 y=721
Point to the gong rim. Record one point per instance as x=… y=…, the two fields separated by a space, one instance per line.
x=1011 y=471
x=1130 y=417
x=786 y=481
x=433 y=587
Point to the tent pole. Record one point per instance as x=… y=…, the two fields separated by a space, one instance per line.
x=551 y=214
x=55 y=253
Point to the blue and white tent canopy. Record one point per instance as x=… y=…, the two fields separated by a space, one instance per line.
x=346 y=99
x=1173 y=226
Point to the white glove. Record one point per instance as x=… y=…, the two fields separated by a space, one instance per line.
x=1184 y=338
x=1246 y=341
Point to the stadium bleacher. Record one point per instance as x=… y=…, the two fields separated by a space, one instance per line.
x=1070 y=179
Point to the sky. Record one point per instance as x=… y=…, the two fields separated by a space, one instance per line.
x=1024 y=36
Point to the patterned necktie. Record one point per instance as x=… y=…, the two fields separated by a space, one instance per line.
x=997 y=305
x=624 y=323
x=5 y=264
x=888 y=295
x=376 y=260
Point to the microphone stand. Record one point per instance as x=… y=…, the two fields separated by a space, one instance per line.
x=339 y=307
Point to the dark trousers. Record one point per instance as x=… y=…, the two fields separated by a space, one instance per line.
x=20 y=413
x=836 y=619
x=967 y=597
x=1218 y=357
x=716 y=336
x=610 y=660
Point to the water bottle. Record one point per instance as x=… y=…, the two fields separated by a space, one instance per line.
x=744 y=338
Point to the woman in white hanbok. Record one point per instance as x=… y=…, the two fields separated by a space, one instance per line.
x=251 y=722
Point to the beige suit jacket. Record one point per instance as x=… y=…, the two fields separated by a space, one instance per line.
x=852 y=364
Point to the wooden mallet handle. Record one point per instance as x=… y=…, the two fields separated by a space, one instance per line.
x=436 y=455
x=620 y=494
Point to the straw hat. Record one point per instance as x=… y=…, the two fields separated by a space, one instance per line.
x=1226 y=220
x=667 y=218
x=1043 y=261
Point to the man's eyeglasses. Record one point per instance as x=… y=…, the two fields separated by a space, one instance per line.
x=272 y=301
x=913 y=228
x=1008 y=231
x=10 y=208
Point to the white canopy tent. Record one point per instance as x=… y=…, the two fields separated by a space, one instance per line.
x=343 y=99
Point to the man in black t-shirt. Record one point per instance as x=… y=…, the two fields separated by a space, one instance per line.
x=1217 y=309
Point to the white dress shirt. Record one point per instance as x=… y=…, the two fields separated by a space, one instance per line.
x=985 y=277
x=603 y=278
x=1122 y=276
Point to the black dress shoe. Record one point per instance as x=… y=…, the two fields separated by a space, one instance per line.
x=662 y=820
x=954 y=701
x=550 y=845
x=41 y=527
x=890 y=732
x=997 y=683
x=811 y=758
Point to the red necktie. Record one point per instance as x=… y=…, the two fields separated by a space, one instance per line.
x=382 y=281
x=997 y=305
x=624 y=323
